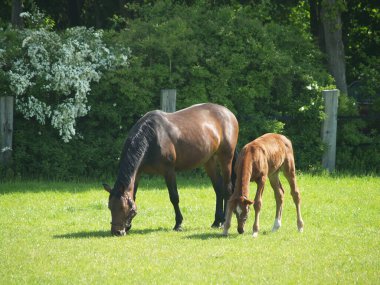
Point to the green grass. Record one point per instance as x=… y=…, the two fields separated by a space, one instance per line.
x=58 y=233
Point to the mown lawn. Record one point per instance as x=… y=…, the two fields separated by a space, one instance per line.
x=58 y=233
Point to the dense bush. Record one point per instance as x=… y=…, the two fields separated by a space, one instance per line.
x=269 y=74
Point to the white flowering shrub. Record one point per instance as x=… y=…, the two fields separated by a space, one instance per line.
x=52 y=78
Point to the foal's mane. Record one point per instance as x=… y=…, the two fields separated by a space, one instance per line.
x=135 y=147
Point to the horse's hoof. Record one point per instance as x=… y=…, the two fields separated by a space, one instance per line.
x=255 y=234
x=300 y=230
x=178 y=228
x=217 y=225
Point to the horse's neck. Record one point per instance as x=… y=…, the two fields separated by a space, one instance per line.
x=130 y=163
x=244 y=176
x=135 y=148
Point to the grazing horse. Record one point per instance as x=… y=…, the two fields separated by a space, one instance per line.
x=163 y=143
x=260 y=159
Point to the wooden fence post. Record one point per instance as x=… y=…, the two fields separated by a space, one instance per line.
x=168 y=100
x=6 y=129
x=329 y=128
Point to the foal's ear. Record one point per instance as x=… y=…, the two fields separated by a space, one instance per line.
x=107 y=187
x=247 y=201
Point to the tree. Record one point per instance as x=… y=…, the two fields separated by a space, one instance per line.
x=52 y=75
x=326 y=27
x=332 y=26
x=16 y=20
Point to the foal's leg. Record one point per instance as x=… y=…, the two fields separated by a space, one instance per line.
x=258 y=202
x=290 y=174
x=216 y=180
x=227 y=222
x=279 y=196
x=171 y=183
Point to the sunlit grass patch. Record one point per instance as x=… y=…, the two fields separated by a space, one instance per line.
x=54 y=232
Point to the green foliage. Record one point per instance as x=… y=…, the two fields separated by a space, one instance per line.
x=268 y=74
x=267 y=71
x=358 y=139
x=51 y=231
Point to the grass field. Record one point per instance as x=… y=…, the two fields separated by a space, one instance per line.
x=58 y=233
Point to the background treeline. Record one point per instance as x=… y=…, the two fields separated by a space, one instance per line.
x=261 y=59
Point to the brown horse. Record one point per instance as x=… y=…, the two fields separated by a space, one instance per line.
x=260 y=159
x=163 y=143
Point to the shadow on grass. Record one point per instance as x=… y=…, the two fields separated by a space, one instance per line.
x=206 y=236
x=84 y=234
x=106 y=234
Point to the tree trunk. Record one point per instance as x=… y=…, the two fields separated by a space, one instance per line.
x=332 y=26
x=16 y=20
x=316 y=27
x=74 y=12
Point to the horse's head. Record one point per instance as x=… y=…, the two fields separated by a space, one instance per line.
x=123 y=210
x=241 y=210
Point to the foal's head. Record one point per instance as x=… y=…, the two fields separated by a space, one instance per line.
x=123 y=210
x=240 y=207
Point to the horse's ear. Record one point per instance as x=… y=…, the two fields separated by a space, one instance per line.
x=107 y=187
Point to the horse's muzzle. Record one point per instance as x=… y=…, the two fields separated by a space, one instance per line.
x=120 y=232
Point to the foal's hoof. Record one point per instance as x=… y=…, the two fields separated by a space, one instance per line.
x=276 y=225
x=300 y=226
x=177 y=228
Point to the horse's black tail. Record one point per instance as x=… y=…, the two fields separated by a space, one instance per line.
x=233 y=172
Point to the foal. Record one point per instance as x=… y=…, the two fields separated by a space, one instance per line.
x=261 y=159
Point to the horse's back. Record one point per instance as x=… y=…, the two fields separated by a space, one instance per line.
x=198 y=132
x=209 y=117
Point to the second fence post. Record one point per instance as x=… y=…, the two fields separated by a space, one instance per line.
x=6 y=129
x=168 y=100
x=329 y=128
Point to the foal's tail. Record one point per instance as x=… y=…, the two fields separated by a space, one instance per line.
x=233 y=172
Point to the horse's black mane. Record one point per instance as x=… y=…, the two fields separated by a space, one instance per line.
x=135 y=147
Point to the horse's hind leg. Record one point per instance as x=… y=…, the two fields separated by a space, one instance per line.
x=171 y=183
x=226 y=164
x=290 y=174
x=216 y=180
x=279 y=196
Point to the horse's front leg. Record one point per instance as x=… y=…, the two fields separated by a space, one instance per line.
x=171 y=183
